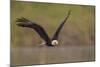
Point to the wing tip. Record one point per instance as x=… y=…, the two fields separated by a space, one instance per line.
x=22 y=19
x=69 y=12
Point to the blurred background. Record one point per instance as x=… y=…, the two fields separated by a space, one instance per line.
x=76 y=40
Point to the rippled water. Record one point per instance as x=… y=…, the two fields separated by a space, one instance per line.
x=48 y=55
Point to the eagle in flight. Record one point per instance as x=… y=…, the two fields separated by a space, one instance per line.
x=23 y=22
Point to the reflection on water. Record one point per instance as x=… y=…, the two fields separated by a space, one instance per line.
x=46 y=55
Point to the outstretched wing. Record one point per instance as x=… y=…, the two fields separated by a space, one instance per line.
x=23 y=22
x=56 y=35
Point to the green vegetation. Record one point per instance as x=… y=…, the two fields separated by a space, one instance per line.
x=79 y=29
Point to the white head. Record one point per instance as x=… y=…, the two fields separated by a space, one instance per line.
x=54 y=42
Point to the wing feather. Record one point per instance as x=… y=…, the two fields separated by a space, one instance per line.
x=27 y=23
x=56 y=34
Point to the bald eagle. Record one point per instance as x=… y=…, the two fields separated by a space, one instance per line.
x=23 y=22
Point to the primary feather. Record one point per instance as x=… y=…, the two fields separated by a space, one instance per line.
x=27 y=23
x=56 y=34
